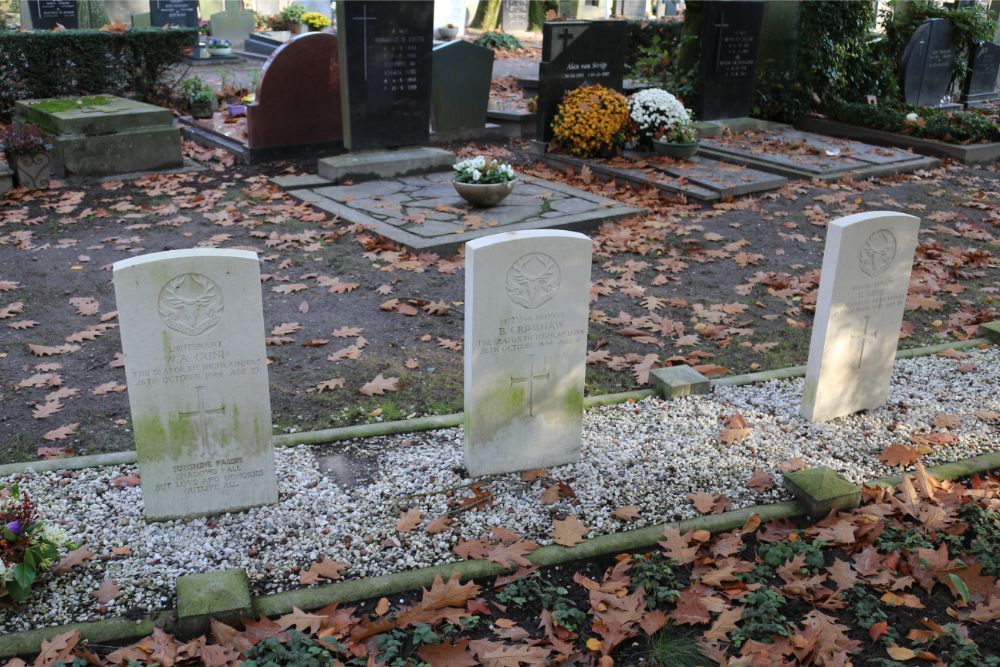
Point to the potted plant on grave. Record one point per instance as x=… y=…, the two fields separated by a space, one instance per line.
x=220 y=47
x=316 y=21
x=292 y=16
x=591 y=121
x=201 y=103
x=483 y=183
x=660 y=121
x=28 y=547
x=27 y=152
x=449 y=32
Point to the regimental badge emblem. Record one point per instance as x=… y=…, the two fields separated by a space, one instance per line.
x=877 y=253
x=190 y=304
x=533 y=280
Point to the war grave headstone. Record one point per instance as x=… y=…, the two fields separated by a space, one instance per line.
x=730 y=38
x=385 y=54
x=424 y=211
x=233 y=23
x=514 y=15
x=460 y=88
x=859 y=310
x=799 y=154
x=928 y=63
x=192 y=330
x=47 y=14
x=527 y=302
x=574 y=54
x=287 y=113
x=981 y=84
x=118 y=136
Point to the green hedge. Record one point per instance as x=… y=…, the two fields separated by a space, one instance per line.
x=958 y=127
x=87 y=62
x=644 y=34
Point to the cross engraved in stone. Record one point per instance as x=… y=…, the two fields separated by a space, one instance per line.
x=530 y=379
x=364 y=18
x=721 y=25
x=202 y=414
x=864 y=337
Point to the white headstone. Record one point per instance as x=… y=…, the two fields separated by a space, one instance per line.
x=192 y=330
x=859 y=310
x=526 y=308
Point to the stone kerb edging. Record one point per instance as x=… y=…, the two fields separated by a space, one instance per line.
x=123 y=629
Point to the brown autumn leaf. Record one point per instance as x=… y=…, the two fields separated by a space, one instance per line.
x=62 y=432
x=347 y=332
x=439 y=525
x=126 y=480
x=379 y=386
x=289 y=288
x=899 y=455
x=411 y=364
x=285 y=328
x=409 y=520
x=47 y=409
x=74 y=558
x=329 y=385
x=324 y=569
x=107 y=388
x=85 y=305
x=626 y=513
x=506 y=554
x=703 y=502
x=437 y=308
x=725 y=622
x=446 y=654
x=760 y=481
x=449 y=593
x=944 y=420
x=107 y=591
x=568 y=532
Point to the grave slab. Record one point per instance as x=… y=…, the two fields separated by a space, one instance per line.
x=365 y=165
x=822 y=490
x=991 y=331
x=425 y=212
x=192 y=331
x=115 y=136
x=859 y=309
x=526 y=300
x=223 y=595
x=798 y=154
x=679 y=381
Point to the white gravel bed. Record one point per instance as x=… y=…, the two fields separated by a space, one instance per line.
x=650 y=454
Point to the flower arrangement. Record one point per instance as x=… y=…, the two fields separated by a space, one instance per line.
x=293 y=13
x=27 y=546
x=591 y=119
x=479 y=171
x=315 y=20
x=658 y=115
x=219 y=43
x=26 y=139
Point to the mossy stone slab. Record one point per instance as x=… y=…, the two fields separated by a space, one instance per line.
x=990 y=331
x=223 y=595
x=116 y=115
x=822 y=490
x=679 y=381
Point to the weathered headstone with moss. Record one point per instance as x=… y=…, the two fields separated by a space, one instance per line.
x=526 y=307
x=859 y=310
x=192 y=331
x=101 y=135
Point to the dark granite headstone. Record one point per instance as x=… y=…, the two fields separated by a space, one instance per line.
x=173 y=12
x=460 y=86
x=515 y=16
x=982 y=81
x=730 y=38
x=288 y=113
x=385 y=54
x=928 y=63
x=46 y=14
x=574 y=54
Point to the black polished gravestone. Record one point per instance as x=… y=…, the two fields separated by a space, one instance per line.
x=928 y=64
x=47 y=14
x=981 y=84
x=730 y=38
x=460 y=86
x=385 y=64
x=574 y=54
x=515 y=16
x=182 y=13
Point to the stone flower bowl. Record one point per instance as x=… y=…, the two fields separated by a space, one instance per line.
x=484 y=195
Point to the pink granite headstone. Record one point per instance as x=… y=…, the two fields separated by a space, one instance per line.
x=298 y=97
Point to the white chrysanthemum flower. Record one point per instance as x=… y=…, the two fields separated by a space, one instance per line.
x=54 y=534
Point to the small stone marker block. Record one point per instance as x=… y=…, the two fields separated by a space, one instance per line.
x=990 y=331
x=822 y=490
x=367 y=165
x=299 y=181
x=679 y=381
x=223 y=595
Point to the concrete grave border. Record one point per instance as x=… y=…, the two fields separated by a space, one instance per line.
x=123 y=629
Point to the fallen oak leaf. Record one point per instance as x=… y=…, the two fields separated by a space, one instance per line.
x=324 y=569
x=62 y=432
x=409 y=520
x=107 y=591
x=379 y=386
x=74 y=558
x=568 y=532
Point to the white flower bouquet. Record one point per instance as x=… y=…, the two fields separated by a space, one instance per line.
x=480 y=172
x=658 y=115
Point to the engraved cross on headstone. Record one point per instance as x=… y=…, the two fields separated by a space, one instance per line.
x=202 y=414
x=364 y=18
x=864 y=337
x=530 y=379
x=721 y=25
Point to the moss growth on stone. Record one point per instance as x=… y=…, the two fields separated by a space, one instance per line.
x=59 y=104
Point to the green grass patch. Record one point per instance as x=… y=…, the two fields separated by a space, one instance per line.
x=67 y=103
